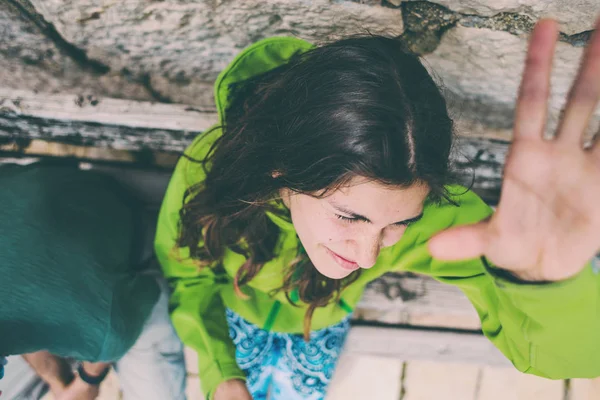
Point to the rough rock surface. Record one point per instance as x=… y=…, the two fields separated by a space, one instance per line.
x=178 y=47
x=574 y=15
x=172 y=50
x=30 y=59
x=481 y=69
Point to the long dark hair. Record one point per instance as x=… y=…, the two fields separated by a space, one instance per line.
x=361 y=106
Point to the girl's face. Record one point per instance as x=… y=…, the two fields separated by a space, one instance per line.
x=346 y=230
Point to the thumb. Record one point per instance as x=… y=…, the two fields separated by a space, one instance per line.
x=463 y=242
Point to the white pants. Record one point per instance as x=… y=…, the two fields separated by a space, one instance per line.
x=153 y=369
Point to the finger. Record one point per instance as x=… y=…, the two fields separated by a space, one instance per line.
x=459 y=243
x=530 y=116
x=584 y=94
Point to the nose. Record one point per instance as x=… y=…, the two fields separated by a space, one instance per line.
x=369 y=251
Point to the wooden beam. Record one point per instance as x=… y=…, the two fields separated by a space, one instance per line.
x=413 y=300
x=413 y=344
x=100 y=122
x=87 y=127
x=106 y=111
x=453 y=381
x=45 y=149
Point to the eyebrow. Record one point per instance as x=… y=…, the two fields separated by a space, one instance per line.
x=354 y=215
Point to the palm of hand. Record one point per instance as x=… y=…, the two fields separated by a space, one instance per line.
x=547 y=225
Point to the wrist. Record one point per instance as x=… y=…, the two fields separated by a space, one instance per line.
x=93 y=373
x=517 y=277
x=231 y=389
x=55 y=386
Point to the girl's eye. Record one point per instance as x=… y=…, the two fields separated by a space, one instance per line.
x=346 y=219
x=352 y=220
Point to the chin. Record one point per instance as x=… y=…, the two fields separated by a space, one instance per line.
x=332 y=272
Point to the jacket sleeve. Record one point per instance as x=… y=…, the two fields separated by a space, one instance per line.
x=546 y=329
x=197 y=310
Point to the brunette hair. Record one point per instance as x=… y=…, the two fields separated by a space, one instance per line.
x=361 y=106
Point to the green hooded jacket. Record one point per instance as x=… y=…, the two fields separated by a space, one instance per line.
x=550 y=330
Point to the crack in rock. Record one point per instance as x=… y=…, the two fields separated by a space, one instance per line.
x=26 y=9
x=518 y=25
x=78 y=55
x=426 y=22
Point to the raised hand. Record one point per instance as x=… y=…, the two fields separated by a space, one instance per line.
x=547 y=225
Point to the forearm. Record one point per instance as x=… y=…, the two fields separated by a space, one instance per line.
x=55 y=371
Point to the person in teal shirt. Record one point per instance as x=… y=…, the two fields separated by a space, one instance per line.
x=330 y=167
x=74 y=285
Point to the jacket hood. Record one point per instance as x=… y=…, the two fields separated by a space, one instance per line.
x=256 y=59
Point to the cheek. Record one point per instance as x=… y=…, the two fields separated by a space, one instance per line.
x=324 y=230
x=314 y=226
x=334 y=231
x=306 y=220
x=393 y=236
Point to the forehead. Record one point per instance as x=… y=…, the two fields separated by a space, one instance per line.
x=377 y=201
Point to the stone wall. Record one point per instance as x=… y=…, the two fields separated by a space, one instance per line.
x=172 y=50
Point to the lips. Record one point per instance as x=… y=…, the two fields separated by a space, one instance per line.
x=343 y=262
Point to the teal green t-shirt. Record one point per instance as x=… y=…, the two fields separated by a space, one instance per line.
x=68 y=280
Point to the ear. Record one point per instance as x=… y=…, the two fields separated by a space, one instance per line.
x=285 y=195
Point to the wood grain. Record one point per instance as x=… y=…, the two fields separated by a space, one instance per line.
x=430 y=345
x=408 y=299
x=148 y=130
x=447 y=381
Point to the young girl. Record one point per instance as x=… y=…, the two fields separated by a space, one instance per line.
x=330 y=168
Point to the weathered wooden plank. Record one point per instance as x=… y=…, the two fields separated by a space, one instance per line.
x=420 y=344
x=534 y=387
x=509 y=384
x=416 y=300
x=100 y=122
x=143 y=132
x=498 y=383
x=106 y=111
x=41 y=148
x=584 y=389
x=365 y=377
x=22 y=128
x=80 y=120
x=431 y=381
